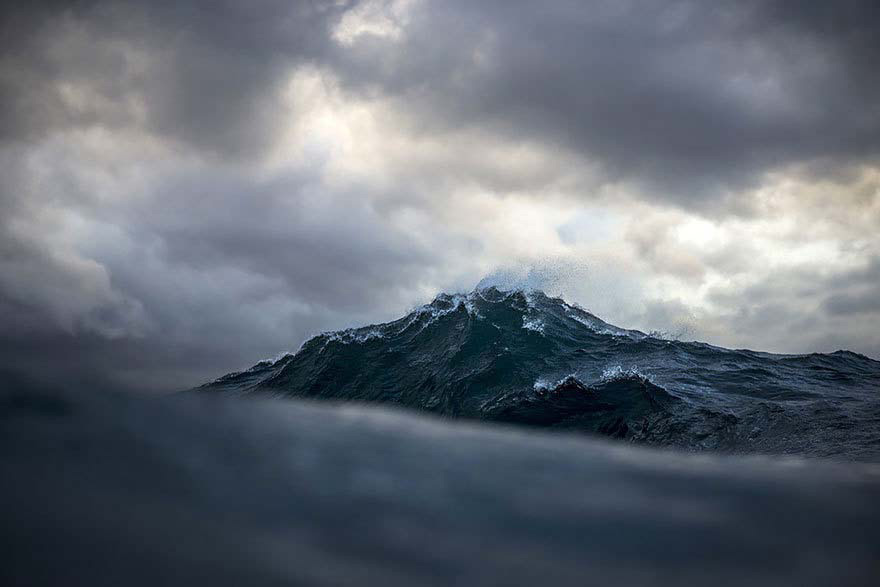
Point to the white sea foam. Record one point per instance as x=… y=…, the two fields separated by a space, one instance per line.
x=424 y=316
x=616 y=372
x=544 y=384
x=534 y=324
x=358 y=335
x=271 y=360
x=593 y=324
x=598 y=326
x=430 y=313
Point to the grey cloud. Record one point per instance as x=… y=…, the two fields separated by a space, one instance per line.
x=198 y=270
x=326 y=248
x=864 y=303
x=858 y=294
x=689 y=99
x=654 y=245
x=791 y=313
x=201 y=264
x=212 y=269
x=204 y=73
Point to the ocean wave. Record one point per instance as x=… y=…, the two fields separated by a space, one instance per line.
x=476 y=356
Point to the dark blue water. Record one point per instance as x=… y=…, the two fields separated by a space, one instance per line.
x=525 y=358
x=205 y=490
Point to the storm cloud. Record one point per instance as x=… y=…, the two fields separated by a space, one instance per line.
x=189 y=187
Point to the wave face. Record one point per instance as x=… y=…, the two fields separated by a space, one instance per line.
x=525 y=358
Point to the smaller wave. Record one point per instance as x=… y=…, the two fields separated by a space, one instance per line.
x=357 y=335
x=597 y=326
x=272 y=360
x=620 y=407
x=618 y=373
x=423 y=316
x=445 y=304
x=542 y=385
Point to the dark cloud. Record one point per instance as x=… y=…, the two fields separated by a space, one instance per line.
x=864 y=303
x=212 y=269
x=858 y=294
x=204 y=73
x=146 y=241
x=691 y=99
x=792 y=312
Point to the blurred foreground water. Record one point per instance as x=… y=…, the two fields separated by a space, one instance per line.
x=212 y=490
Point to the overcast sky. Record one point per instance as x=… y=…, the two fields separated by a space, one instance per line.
x=189 y=187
